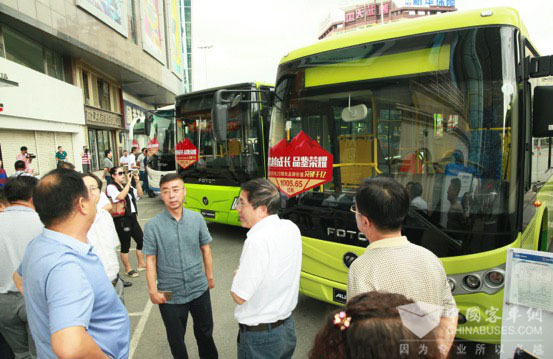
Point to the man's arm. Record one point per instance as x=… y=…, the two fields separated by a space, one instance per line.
x=237 y=299
x=151 y=277
x=18 y=282
x=445 y=334
x=75 y=343
x=208 y=265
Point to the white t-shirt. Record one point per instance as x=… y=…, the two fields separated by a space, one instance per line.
x=113 y=192
x=125 y=160
x=419 y=203
x=103 y=238
x=132 y=161
x=269 y=275
x=104 y=200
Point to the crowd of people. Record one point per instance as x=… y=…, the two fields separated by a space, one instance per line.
x=62 y=296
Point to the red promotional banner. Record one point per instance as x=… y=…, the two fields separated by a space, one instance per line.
x=300 y=165
x=153 y=147
x=186 y=153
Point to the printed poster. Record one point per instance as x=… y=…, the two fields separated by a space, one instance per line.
x=153 y=41
x=300 y=165
x=175 y=39
x=111 y=12
x=186 y=153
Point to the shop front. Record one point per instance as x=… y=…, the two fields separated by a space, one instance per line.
x=102 y=127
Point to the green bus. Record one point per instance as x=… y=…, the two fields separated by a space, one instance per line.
x=214 y=162
x=426 y=101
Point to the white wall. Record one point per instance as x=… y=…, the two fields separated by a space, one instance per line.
x=39 y=97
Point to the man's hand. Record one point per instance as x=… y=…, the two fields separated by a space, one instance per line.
x=211 y=283
x=157 y=298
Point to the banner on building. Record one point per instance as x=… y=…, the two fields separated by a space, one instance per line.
x=186 y=153
x=153 y=40
x=175 y=39
x=111 y=12
x=300 y=165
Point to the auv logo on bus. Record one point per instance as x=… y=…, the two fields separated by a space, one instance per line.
x=300 y=165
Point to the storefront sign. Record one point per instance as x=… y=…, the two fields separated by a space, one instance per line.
x=424 y=3
x=133 y=113
x=186 y=153
x=300 y=165
x=153 y=147
x=362 y=11
x=101 y=118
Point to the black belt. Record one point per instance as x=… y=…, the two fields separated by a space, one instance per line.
x=263 y=327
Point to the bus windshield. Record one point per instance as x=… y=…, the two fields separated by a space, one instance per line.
x=161 y=141
x=231 y=163
x=437 y=112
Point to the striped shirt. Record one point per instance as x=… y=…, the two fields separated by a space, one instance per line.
x=394 y=265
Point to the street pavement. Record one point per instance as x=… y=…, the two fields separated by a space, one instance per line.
x=148 y=338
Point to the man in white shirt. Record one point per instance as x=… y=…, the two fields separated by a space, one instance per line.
x=132 y=159
x=125 y=159
x=266 y=283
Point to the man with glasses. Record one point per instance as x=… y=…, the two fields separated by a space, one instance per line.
x=266 y=284
x=178 y=256
x=391 y=263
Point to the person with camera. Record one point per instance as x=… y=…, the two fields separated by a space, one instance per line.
x=124 y=211
x=27 y=158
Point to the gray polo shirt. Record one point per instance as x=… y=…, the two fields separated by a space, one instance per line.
x=176 y=245
x=108 y=163
x=18 y=226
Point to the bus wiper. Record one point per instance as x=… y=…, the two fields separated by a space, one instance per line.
x=431 y=225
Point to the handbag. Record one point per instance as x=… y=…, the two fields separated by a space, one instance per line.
x=117 y=208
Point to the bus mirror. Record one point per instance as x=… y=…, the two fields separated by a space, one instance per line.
x=235 y=101
x=148 y=124
x=354 y=113
x=543 y=112
x=219 y=114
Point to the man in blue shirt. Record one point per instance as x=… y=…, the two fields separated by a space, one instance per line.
x=72 y=307
x=176 y=245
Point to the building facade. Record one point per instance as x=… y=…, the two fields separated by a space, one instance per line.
x=373 y=12
x=110 y=52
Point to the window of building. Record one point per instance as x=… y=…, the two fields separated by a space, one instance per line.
x=412 y=12
x=103 y=95
x=54 y=64
x=86 y=90
x=421 y=12
x=132 y=21
x=23 y=51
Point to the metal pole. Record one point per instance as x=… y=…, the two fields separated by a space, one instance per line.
x=382 y=11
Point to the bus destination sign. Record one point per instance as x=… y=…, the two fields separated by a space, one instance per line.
x=300 y=165
x=186 y=153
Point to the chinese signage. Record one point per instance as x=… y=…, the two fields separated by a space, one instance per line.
x=186 y=153
x=97 y=117
x=367 y=10
x=133 y=113
x=300 y=165
x=425 y=3
x=153 y=147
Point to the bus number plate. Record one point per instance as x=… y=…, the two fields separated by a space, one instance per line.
x=339 y=295
x=208 y=214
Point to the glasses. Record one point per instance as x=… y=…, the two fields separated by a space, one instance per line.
x=353 y=209
x=120 y=173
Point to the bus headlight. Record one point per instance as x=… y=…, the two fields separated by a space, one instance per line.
x=495 y=278
x=451 y=282
x=471 y=282
x=235 y=203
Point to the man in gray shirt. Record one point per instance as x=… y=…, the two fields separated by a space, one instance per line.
x=108 y=165
x=176 y=245
x=19 y=224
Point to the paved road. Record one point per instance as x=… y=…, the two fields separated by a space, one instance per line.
x=148 y=339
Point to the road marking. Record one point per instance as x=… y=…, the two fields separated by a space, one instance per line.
x=139 y=330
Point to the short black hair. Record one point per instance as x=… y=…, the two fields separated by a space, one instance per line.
x=57 y=194
x=262 y=192
x=383 y=201
x=107 y=152
x=19 y=165
x=170 y=177
x=23 y=148
x=93 y=176
x=143 y=149
x=114 y=169
x=455 y=184
x=59 y=147
x=20 y=188
x=416 y=189
x=134 y=148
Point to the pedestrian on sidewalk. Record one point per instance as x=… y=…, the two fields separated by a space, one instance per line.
x=19 y=224
x=178 y=256
x=72 y=308
x=107 y=164
x=86 y=157
x=266 y=283
x=125 y=160
x=3 y=175
x=390 y=262
x=27 y=160
x=102 y=235
x=126 y=223
x=61 y=156
x=143 y=160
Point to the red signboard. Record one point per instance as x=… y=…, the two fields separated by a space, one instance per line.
x=186 y=153
x=153 y=147
x=300 y=165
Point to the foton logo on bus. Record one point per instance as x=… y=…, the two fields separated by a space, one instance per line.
x=186 y=153
x=153 y=147
x=300 y=165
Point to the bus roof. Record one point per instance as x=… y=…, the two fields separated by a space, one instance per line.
x=231 y=86
x=405 y=28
